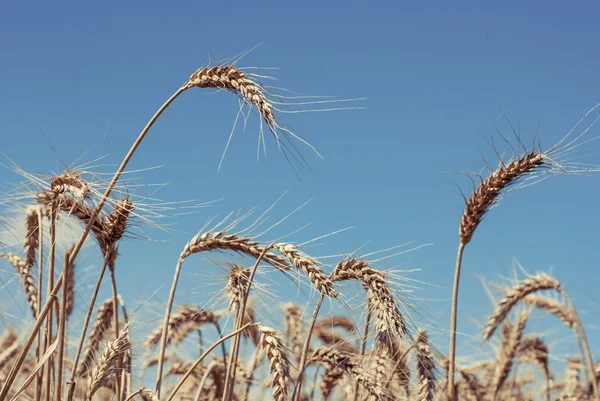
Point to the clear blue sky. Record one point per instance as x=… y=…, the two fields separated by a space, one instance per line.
x=435 y=75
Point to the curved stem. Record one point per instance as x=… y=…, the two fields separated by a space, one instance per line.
x=86 y=322
x=453 y=316
x=165 y=328
x=29 y=341
x=204 y=355
x=586 y=346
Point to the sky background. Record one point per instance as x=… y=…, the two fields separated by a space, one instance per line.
x=86 y=77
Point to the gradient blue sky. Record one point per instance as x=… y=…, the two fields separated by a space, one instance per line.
x=435 y=75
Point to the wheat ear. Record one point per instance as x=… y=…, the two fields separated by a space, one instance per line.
x=106 y=363
x=278 y=362
x=525 y=287
x=425 y=367
x=388 y=321
x=480 y=202
x=507 y=355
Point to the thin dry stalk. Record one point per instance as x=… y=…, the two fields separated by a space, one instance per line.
x=62 y=327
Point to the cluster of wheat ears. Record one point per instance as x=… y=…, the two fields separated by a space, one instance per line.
x=311 y=356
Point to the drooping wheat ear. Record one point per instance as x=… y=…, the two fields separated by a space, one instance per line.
x=230 y=242
x=309 y=266
x=183 y=316
x=331 y=377
x=278 y=362
x=425 y=367
x=514 y=295
x=336 y=321
x=116 y=222
x=237 y=283
x=101 y=325
x=293 y=328
x=70 y=183
x=106 y=364
x=32 y=235
x=27 y=278
x=148 y=395
x=507 y=355
x=233 y=80
x=534 y=349
x=490 y=190
x=552 y=306
x=388 y=321
x=331 y=357
x=252 y=333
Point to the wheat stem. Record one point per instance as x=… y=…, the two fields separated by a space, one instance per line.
x=40 y=264
x=62 y=322
x=453 y=318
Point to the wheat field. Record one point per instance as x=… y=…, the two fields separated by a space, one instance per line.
x=311 y=354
